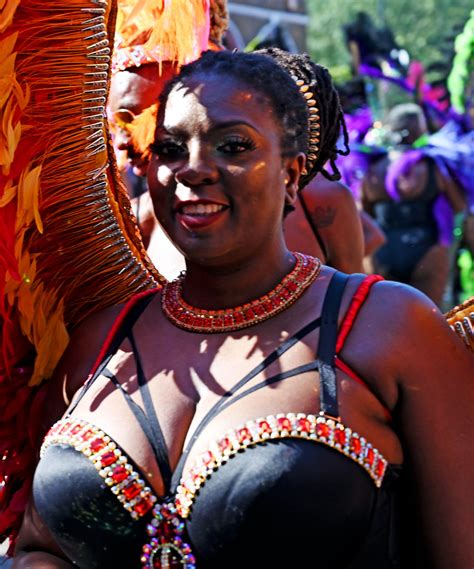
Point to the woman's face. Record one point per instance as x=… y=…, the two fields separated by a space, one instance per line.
x=217 y=177
x=131 y=92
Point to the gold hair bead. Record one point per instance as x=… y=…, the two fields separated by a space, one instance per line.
x=313 y=123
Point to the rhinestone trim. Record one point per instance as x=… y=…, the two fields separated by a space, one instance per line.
x=318 y=428
x=138 y=499
x=135 y=496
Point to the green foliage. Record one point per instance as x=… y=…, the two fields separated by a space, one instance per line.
x=425 y=28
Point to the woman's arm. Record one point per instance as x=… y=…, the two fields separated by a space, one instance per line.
x=335 y=216
x=452 y=190
x=404 y=347
x=374 y=237
x=35 y=547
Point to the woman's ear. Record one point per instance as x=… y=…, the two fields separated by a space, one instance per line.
x=293 y=167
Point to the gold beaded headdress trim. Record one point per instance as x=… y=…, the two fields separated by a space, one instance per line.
x=461 y=320
x=314 y=127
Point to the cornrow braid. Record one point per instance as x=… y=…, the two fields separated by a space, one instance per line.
x=274 y=72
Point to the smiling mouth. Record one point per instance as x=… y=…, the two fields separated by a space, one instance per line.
x=199 y=215
x=200 y=209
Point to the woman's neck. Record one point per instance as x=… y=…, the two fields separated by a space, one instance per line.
x=237 y=283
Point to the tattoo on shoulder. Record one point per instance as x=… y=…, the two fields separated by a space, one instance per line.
x=323 y=216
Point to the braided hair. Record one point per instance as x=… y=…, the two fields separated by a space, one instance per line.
x=272 y=72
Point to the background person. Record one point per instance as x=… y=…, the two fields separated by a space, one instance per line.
x=414 y=252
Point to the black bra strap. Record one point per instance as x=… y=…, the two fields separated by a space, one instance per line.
x=224 y=400
x=304 y=368
x=327 y=344
x=312 y=224
x=157 y=440
x=128 y=321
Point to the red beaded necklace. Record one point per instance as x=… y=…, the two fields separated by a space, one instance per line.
x=287 y=291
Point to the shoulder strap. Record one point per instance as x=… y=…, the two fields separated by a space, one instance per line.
x=327 y=344
x=310 y=220
x=358 y=300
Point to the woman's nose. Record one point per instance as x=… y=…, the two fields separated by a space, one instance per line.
x=198 y=168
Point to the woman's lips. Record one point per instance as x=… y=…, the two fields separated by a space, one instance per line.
x=199 y=215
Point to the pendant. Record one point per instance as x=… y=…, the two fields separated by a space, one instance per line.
x=166 y=548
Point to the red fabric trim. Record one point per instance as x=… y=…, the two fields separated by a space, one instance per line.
x=358 y=300
x=116 y=325
x=353 y=375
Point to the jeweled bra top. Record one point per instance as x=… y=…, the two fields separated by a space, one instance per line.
x=286 y=490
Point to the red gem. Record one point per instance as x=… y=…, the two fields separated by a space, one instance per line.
x=259 y=310
x=76 y=429
x=249 y=314
x=195 y=475
x=292 y=286
x=268 y=306
x=132 y=490
x=207 y=458
x=356 y=447
x=370 y=456
x=340 y=436
x=224 y=444
x=304 y=425
x=243 y=435
x=143 y=506
x=119 y=473
x=64 y=427
x=322 y=430
x=380 y=468
x=239 y=318
x=108 y=458
x=86 y=435
x=97 y=445
x=264 y=427
x=284 y=424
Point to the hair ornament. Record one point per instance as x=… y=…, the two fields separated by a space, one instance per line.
x=313 y=124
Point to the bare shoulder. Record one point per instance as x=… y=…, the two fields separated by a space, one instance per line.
x=330 y=191
x=401 y=344
x=410 y=332
x=77 y=361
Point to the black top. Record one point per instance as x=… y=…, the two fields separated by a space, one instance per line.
x=284 y=502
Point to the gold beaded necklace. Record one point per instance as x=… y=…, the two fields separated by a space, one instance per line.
x=286 y=292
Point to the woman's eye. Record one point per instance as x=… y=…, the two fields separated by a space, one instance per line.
x=235 y=146
x=167 y=148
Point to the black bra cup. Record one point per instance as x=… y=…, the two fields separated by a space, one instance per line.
x=86 y=519
x=290 y=504
x=257 y=510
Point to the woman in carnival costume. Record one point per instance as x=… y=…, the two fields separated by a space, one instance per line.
x=241 y=415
